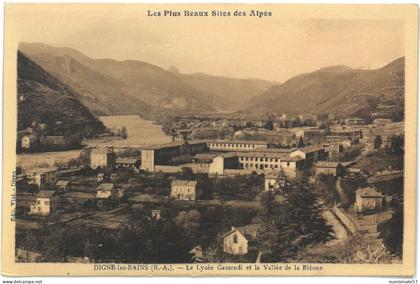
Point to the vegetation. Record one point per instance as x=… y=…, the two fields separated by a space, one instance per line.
x=295 y=224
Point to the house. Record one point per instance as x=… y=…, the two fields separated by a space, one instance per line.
x=100 y=177
x=184 y=189
x=114 y=177
x=311 y=154
x=156 y=214
x=197 y=254
x=368 y=199
x=354 y=121
x=329 y=168
x=42 y=178
x=102 y=158
x=271 y=182
x=63 y=185
x=45 y=203
x=106 y=190
x=29 y=141
x=238 y=240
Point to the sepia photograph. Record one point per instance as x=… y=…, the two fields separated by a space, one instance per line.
x=204 y=138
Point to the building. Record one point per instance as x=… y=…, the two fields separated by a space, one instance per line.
x=45 y=203
x=100 y=177
x=63 y=185
x=106 y=190
x=43 y=178
x=184 y=189
x=333 y=150
x=311 y=154
x=368 y=199
x=328 y=168
x=156 y=214
x=29 y=141
x=382 y=121
x=272 y=183
x=133 y=163
x=102 y=158
x=236 y=145
x=272 y=160
x=354 y=121
x=163 y=153
x=53 y=140
x=238 y=240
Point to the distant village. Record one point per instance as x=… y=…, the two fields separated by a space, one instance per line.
x=234 y=167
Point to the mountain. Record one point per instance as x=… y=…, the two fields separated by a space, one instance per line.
x=235 y=92
x=44 y=99
x=109 y=86
x=336 y=89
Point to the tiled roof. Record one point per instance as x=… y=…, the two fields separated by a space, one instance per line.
x=368 y=191
x=311 y=148
x=325 y=164
x=62 y=183
x=45 y=194
x=184 y=183
x=247 y=231
x=105 y=187
x=126 y=160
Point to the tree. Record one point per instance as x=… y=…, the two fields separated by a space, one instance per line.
x=377 y=142
x=392 y=230
x=186 y=173
x=190 y=221
x=397 y=144
x=124 y=133
x=269 y=125
x=301 y=143
x=298 y=222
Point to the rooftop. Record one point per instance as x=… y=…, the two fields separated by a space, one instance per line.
x=126 y=160
x=368 y=192
x=247 y=231
x=105 y=187
x=45 y=193
x=325 y=164
x=62 y=182
x=184 y=183
x=311 y=148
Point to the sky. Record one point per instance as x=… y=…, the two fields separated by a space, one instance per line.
x=273 y=48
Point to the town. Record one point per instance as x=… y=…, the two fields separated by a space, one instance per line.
x=223 y=188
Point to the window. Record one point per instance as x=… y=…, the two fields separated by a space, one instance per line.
x=235 y=239
x=38 y=202
x=46 y=202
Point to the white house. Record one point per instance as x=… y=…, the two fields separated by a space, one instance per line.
x=368 y=199
x=42 y=178
x=45 y=203
x=184 y=189
x=102 y=158
x=28 y=141
x=237 y=240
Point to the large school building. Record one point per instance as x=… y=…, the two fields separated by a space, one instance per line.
x=222 y=156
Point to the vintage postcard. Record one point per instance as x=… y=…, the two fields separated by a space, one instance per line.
x=209 y=139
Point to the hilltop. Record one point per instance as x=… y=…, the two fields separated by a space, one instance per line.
x=42 y=98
